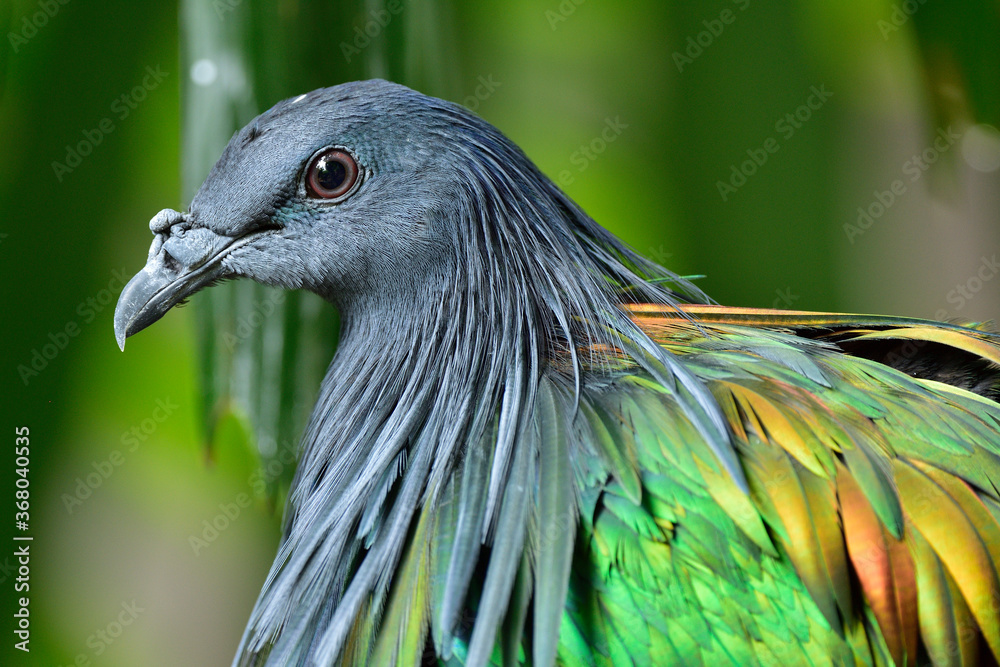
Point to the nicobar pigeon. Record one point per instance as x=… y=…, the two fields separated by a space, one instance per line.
x=534 y=446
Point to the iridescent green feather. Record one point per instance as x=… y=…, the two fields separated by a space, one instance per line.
x=870 y=534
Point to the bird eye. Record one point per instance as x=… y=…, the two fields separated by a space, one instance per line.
x=331 y=174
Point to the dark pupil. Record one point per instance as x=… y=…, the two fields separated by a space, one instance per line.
x=331 y=174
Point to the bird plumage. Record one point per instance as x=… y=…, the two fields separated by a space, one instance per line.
x=535 y=446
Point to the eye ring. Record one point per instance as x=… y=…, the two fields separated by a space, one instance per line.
x=331 y=174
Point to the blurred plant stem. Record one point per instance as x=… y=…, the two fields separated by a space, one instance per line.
x=262 y=352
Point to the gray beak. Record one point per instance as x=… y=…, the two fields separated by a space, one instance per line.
x=181 y=261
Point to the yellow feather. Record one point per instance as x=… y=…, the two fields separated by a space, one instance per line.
x=775 y=425
x=953 y=537
x=973 y=344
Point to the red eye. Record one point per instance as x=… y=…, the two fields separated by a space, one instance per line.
x=331 y=174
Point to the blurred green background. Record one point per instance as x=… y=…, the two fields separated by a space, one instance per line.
x=880 y=192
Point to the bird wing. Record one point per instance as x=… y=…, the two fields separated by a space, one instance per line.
x=870 y=533
x=860 y=527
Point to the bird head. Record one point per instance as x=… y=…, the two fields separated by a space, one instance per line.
x=342 y=191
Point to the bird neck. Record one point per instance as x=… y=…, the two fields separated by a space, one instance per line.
x=405 y=366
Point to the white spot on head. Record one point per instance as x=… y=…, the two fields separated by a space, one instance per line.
x=981 y=148
x=204 y=72
x=299 y=98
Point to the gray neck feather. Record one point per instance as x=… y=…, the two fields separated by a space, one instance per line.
x=418 y=380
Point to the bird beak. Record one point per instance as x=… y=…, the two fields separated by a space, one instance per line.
x=180 y=262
